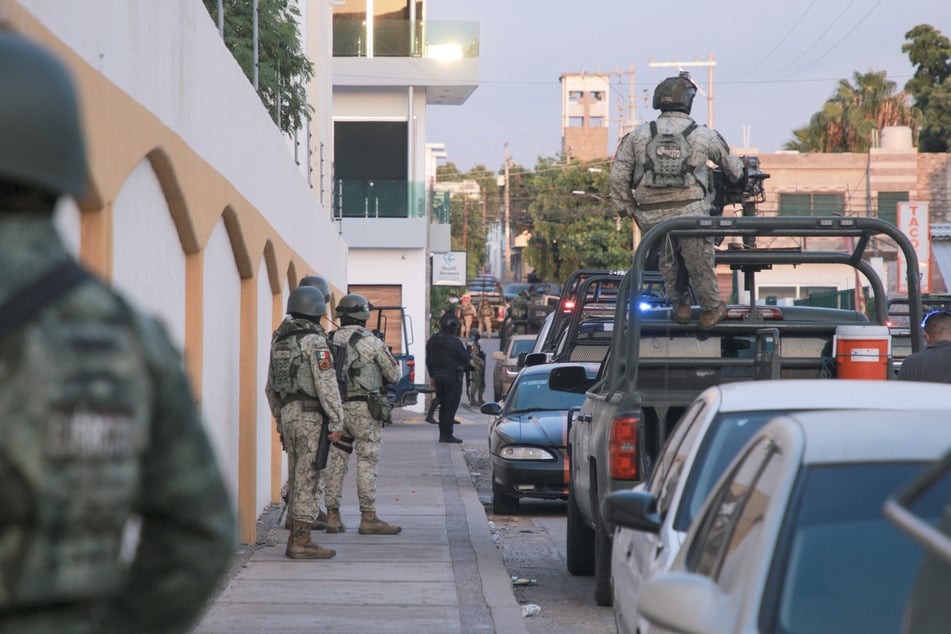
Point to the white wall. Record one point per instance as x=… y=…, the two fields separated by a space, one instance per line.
x=263 y=422
x=151 y=50
x=148 y=264
x=221 y=351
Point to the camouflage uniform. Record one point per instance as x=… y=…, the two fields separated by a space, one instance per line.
x=468 y=314
x=697 y=254
x=99 y=430
x=301 y=391
x=477 y=386
x=486 y=313
x=376 y=365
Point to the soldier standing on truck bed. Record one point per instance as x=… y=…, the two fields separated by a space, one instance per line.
x=486 y=313
x=660 y=172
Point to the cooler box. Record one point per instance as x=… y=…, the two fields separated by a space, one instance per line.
x=862 y=352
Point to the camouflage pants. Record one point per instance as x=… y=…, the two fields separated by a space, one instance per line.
x=301 y=424
x=367 y=434
x=477 y=386
x=696 y=255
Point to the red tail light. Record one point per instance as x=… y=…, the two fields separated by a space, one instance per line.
x=411 y=364
x=569 y=305
x=623 y=448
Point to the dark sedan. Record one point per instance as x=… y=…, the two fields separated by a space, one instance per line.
x=527 y=438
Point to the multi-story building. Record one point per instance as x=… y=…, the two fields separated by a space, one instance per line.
x=585 y=115
x=389 y=65
x=873 y=184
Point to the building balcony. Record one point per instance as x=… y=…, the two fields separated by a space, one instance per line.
x=388 y=213
x=444 y=40
x=440 y=56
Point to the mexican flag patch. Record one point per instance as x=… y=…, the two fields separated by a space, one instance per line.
x=323 y=360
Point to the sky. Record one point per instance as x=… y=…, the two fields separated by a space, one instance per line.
x=776 y=64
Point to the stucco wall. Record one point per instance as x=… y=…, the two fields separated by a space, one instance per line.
x=197 y=209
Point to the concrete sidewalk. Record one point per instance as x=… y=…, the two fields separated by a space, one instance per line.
x=443 y=574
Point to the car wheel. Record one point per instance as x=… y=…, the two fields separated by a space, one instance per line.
x=579 y=547
x=502 y=502
x=602 y=566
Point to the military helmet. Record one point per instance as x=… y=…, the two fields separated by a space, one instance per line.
x=306 y=301
x=354 y=306
x=675 y=93
x=39 y=119
x=449 y=321
x=319 y=283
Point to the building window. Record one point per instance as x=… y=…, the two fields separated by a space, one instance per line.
x=370 y=169
x=811 y=204
x=596 y=122
x=888 y=205
x=574 y=96
x=575 y=122
x=597 y=95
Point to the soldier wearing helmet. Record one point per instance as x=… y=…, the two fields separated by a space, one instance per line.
x=659 y=172
x=305 y=401
x=446 y=363
x=367 y=366
x=93 y=392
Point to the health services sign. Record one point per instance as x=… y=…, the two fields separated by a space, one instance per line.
x=914 y=219
x=449 y=268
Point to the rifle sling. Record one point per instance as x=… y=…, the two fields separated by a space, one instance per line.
x=29 y=301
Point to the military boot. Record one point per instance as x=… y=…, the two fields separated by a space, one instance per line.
x=334 y=525
x=370 y=524
x=300 y=546
x=710 y=318
x=683 y=311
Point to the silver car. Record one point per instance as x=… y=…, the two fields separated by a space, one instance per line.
x=792 y=538
x=708 y=436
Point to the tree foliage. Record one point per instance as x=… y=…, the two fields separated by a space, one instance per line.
x=930 y=52
x=856 y=110
x=574 y=224
x=283 y=68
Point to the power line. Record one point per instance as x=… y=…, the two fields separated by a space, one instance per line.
x=778 y=44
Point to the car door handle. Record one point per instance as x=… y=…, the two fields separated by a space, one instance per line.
x=583 y=418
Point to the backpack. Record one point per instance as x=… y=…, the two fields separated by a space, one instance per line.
x=667 y=158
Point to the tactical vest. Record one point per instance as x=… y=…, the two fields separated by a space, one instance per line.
x=289 y=372
x=76 y=400
x=668 y=157
x=362 y=376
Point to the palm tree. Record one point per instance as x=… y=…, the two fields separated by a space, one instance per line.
x=853 y=113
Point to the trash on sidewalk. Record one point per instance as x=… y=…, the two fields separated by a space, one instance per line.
x=522 y=581
x=531 y=609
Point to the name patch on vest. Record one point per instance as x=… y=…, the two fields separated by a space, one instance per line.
x=88 y=435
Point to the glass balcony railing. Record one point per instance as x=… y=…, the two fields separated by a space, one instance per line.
x=438 y=39
x=385 y=199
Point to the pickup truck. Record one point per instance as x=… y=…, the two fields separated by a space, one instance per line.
x=393 y=326
x=654 y=367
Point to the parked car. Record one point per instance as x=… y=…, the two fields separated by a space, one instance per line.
x=709 y=435
x=793 y=537
x=511 y=290
x=507 y=363
x=527 y=439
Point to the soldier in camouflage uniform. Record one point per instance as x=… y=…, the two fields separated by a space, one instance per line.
x=660 y=172
x=305 y=401
x=321 y=522
x=101 y=445
x=369 y=364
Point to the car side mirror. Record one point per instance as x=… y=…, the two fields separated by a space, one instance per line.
x=570 y=378
x=534 y=358
x=634 y=509
x=491 y=408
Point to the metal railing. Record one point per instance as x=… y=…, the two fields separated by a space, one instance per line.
x=435 y=39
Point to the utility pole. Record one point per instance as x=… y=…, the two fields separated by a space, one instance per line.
x=709 y=64
x=507 y=246
x=465 y=223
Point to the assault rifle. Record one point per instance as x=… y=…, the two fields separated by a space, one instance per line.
x=749 y=190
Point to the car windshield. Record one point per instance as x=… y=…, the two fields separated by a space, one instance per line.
x=843 y=566
x=531 y=394
x=724 y=439
x=519 y=346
